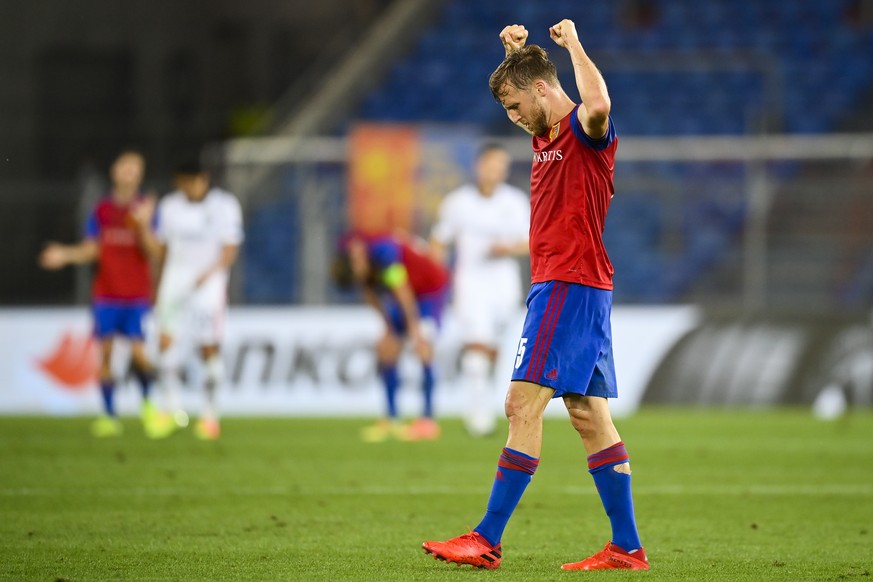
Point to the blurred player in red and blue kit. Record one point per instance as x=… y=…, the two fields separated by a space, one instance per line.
x=119 y=237
x=565 y=348
x=408 y=289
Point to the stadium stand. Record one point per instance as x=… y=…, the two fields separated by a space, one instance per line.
x=696 y=64
x=674 y=68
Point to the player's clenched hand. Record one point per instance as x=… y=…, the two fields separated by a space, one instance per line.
x=204 y=277
x=143 y=211
x=53 y=257
x=563 y=33
x=513 y=37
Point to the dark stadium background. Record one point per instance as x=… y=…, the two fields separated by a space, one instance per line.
x=776 y=249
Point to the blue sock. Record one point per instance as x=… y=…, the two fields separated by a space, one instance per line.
x=615 y=494
x=427 y=383
x=107 y=390
x=391 y=380
x=514 y=472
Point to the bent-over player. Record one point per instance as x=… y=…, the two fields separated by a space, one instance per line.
x=408 y=289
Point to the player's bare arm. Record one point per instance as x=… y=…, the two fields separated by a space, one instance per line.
x=438 y=251
x=518 y=248
x=228 y=257
x=513 y=37
x=56 y=256
x=160 y=260
x=593 y=113
x=396 y=279
x=406 y=298
x=372 y=299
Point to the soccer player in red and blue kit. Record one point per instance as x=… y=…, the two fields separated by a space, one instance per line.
x=118 y=236
x=408 y=288
x=566 y=345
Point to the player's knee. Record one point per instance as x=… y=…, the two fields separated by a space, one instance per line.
x=208 y=352
x=386 y=358
x=106 y=374
x=141 y=363
x=105 y=353
x=388 y=349
x=425 y=352
x=165 y=342
x=526 y=402
x=510 y=411
x=517 y=408
x=583 y=421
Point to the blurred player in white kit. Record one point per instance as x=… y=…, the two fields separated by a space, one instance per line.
x=487 y=222
x=200 y=230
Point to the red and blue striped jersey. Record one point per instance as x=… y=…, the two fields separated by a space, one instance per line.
x=571 y=186
x=123 y=269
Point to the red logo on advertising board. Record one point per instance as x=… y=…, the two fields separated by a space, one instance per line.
x=73 y=363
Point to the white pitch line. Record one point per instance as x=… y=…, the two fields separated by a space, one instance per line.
x=859 y=490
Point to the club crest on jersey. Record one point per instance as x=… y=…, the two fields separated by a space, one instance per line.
x=556 y=129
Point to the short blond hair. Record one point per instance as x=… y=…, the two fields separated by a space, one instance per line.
x=521 y=68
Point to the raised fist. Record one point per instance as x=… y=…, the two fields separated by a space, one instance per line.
x=513 y=37
x=563 y=33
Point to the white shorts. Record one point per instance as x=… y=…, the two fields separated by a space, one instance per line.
x=196 y=315
x=485 y=308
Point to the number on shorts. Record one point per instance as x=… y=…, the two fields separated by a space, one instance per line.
x=520 y=354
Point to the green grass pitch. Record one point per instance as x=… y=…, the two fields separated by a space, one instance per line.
x=726 y=495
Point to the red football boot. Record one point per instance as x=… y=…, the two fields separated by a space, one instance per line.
x=469 y=548
x=612 y=557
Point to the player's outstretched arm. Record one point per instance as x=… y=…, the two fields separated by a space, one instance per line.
x=56 y=256
x=513 y=37
x=515 y=249
x=594 y=111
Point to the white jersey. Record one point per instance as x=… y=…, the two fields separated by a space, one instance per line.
x=487 y=288
x=195 y=234
x=474 y=223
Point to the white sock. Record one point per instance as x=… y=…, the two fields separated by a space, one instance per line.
x=214 y=377
x=481 y=417
x=169 y=380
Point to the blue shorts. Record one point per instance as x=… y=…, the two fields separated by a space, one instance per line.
x=430 y=307
x=566 y=342
x=124 y=319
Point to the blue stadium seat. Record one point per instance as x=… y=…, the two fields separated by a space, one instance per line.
x=270 y=261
